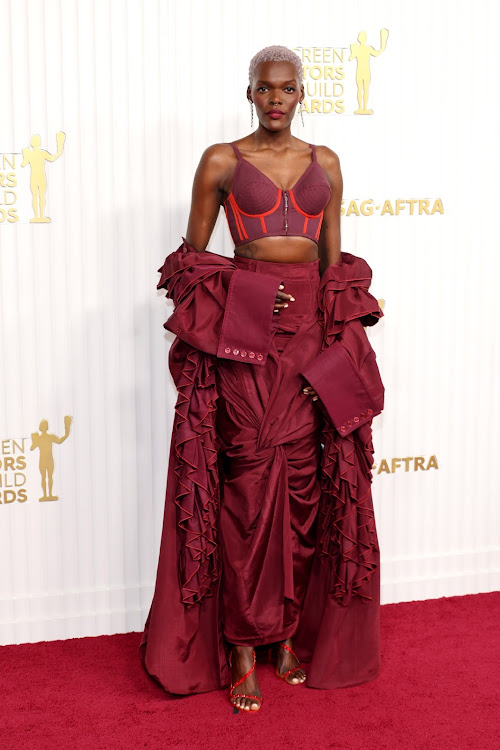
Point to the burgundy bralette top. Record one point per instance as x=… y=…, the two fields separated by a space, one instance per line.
x=256 y=207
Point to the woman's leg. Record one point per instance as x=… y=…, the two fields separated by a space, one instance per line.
x=269 y=500
x=269 y=487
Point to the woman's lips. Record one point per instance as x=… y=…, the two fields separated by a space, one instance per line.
x=275 y=115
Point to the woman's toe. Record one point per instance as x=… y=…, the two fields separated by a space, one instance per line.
x=297 y=678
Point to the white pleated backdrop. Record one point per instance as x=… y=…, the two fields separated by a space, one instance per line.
x=140 y=88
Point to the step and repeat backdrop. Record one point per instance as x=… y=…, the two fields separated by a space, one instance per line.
x=107 y=106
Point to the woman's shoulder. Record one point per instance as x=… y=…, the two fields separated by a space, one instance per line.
x=216 y=161
x=217 y=153
x=327 y=156
x=329 y=161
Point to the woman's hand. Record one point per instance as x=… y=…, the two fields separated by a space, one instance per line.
x=282 y=299
x=309 y=391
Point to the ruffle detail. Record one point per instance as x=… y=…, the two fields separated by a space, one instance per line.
x=185 y=273
x=186 y=267
x=343 y=296
x=197 y=481
x=347 y=536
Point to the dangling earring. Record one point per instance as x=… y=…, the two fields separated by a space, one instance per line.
x=301 y=115
x=251 y=113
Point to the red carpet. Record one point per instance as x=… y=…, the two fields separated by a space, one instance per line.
x=438 y=689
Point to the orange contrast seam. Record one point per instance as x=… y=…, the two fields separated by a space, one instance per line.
x=309 y=216
x=258 y=216
x=239 y=221
x=319 y=225
x=235 y=220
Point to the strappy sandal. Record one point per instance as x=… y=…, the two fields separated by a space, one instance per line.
x=243 y=695
x=290 y=671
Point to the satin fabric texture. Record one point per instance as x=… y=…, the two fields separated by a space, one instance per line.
x=270 y=491
x=269 y=529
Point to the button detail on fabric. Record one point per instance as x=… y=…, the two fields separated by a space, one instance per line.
x=356 y=419
x=227 y=350
x=342 y=428
x=251 y=355
x=349 y=423
x=236 y=351
x=370 y=411
x=243 y=353
x=260 y=356
x=363 y=415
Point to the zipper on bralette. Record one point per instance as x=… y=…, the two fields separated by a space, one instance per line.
x=286 y=211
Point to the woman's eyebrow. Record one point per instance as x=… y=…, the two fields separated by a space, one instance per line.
x=292 y=80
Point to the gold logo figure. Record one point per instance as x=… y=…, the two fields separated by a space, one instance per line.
x=36 y=158
x=362 y=52
x=44 y=440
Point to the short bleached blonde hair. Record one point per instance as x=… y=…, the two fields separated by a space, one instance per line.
x=275 y=53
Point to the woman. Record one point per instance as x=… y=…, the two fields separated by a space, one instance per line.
x=269 y=534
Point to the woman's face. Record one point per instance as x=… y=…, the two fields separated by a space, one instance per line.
x=275 y=93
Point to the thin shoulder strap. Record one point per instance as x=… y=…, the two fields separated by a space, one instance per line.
x=236 y=150
x=313 y=149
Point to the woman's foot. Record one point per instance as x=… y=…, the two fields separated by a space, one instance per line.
x=241 y=662
x=287 y=661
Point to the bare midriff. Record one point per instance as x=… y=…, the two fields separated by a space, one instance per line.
x=279 y=249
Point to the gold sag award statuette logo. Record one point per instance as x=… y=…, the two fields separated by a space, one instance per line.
x=36 y=158
x=43 y=440
x=361 y=53
x=325 y=76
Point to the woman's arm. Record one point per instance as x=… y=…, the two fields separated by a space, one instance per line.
x=206 y=195
x=329 y=238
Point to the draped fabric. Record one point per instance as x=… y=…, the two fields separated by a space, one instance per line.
x=269 y=528
x=270 y=433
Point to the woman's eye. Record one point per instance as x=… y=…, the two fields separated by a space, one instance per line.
x=287 y=88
